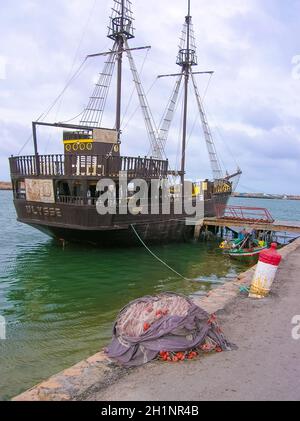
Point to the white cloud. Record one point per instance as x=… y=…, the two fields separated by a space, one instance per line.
x=296 y=67
x=3 y=64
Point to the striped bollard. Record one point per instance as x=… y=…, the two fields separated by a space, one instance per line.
x=265 y=273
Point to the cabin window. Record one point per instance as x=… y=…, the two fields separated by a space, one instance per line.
x=20 y=190
x=63 y=189
x=92 y=190
x=92 y=194
x=78 y=190
x=63 y=192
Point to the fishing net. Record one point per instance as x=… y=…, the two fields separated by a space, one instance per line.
x=163 y=325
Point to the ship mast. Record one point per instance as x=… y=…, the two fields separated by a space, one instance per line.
x=184 y=60
x=121 y=30
x=187 y=58
x=120 y=47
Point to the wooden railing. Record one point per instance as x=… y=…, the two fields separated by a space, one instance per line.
x=87 y=166
x=76 y=200
x=243 y=213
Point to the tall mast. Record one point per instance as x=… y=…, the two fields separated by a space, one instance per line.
x=121 y=29
x=186 y=59
x=186 y=69
x=120 y=47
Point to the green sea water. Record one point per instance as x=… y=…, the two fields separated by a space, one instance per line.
x=60 y=304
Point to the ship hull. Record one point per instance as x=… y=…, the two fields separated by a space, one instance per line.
x=158 y=233
x=85 y=226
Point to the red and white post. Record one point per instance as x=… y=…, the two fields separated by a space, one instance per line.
x=269 y=261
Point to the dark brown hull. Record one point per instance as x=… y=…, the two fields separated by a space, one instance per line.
x=61 y=223
x=152 y=233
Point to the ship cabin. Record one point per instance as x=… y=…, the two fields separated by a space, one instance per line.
x=90 y=154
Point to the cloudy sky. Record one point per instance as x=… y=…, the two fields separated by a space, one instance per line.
x=253 y=100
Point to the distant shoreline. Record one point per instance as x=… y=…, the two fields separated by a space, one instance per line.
x=267 y=196
x=5 y=185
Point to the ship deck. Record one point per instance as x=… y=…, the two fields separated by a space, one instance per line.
x=92 y=166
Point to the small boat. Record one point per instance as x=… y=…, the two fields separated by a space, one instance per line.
x=245 y=248
x=245 y=253
x=228 y=245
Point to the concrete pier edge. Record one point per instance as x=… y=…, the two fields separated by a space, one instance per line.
x=98 y=372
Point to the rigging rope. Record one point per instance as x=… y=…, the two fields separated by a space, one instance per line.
x=82 y=37
x=74 y=118
x=216 y=126
x=156 y=146
x=194 y=123
x=24 y=146
x=29 y=138
x=179 y=141
x=206 y=89
x=192 y=130
x=133 y=89
x=77 y=52
x=138 y=107
x=45 y=114
x=222 y=163
x=156 y=257
x=221 y=137
x=76 y=74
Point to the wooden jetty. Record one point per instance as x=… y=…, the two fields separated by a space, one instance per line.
x=259 y=219
x=275 y=226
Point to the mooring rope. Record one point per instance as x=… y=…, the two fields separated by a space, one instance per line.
x=156 y=257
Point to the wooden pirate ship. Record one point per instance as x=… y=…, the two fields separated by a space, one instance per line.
x=58 y=193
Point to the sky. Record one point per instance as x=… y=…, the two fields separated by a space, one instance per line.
x=252 y=101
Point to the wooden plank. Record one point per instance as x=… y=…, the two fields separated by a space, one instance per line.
x=285 y=226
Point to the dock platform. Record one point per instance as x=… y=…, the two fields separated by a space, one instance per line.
x=259 y=219
x=275 y=226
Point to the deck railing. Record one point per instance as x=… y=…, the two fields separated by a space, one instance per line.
x=77 y=200
x=243 y=213
x=87 y=166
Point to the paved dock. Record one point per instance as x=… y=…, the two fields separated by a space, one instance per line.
x=266 y=365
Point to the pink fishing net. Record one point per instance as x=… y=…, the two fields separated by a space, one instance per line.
x=139 y=316
x=166 y=322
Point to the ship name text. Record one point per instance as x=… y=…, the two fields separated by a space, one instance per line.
x=44 y=211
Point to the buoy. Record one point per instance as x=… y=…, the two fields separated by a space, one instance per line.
x=265 y=273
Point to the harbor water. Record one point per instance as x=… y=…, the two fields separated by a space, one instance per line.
x=60 y=304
